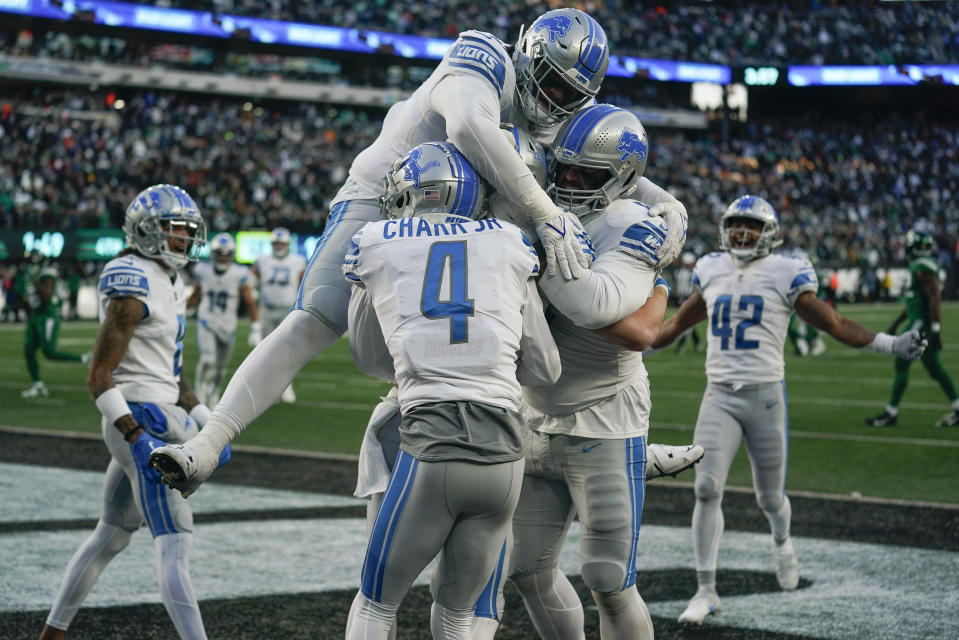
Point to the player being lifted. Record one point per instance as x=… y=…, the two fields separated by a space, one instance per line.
x=463 y=327
x=279 y=274
x=219 y=285
x=748 y=295
x=136 y=379
x=557 y=67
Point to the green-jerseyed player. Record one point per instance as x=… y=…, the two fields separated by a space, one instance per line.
x=924 y=312
x=42 y=329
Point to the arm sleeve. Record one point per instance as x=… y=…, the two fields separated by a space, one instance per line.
x=615 y=286
x=471 y=110
x=367 y=345
x=539 y=363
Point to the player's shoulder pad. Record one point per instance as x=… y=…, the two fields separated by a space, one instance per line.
x=124 y=277
x=514 y=231
x=797 y=274
x=926 y=263
x=706 y=266
x=352 y=257
x=641 y=234
x=481 y=54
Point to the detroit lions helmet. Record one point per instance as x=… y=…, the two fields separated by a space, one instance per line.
x=611 y=145
x=222 y=250
x=560 y=63
x=164 y=222
x=434 y=178
x=750 y=244
x=919 y=244
x=280 y=239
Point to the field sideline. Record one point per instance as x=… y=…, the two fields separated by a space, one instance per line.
x=832 y=451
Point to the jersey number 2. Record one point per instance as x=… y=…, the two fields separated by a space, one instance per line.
x=722 y=327
x=448 y=262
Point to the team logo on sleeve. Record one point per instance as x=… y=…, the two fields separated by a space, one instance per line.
x=630 y=143
x=413 y=171
x=556 y=26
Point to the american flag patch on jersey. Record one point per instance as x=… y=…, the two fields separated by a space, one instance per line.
x=431 y=194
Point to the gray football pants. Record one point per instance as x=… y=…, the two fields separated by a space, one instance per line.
x=461 y=510
x=758 y=414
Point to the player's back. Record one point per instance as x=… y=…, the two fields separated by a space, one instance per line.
x=221 y=294
x=280 y=279
x=151 y=365
x=749 y=306
x=413 y=121
x=449 y=299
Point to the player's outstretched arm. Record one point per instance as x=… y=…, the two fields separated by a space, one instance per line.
x=638 y=330
x=691 y=312
x=811 y=309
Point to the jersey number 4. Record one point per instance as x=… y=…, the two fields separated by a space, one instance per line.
x=447 y=262
x=722 y=327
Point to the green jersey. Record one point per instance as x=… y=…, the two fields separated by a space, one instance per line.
x=917 y=304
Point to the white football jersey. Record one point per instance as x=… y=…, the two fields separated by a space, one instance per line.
x=595 y=368
x=280 y=279
x=748 y=307
x=449 y=305
x=150 y=368
x=221 y=295
x=413 y=121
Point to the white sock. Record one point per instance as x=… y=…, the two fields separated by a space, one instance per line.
x=891 y=410
x=483 y=628
x=450 y=624
x=373 y=620
x=176 y=588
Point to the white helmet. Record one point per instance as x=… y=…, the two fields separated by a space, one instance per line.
x=434 y=178
x=766 y=239
x=280 y=236
x=164 y=222
x=222 y=250
x=564 y=51
x=604 y=138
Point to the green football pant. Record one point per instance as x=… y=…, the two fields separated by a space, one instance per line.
x=42 y=335
x=933 y=364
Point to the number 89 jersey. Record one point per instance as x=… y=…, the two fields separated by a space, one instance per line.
x=748 y=307
x=449 y=299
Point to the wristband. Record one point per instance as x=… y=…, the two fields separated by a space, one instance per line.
x=200 y=413
x=935 y=327
x=112 y=405
x=882 y=343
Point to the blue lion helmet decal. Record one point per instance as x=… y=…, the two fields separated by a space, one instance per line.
x=630 y=143
x=745 y=203
x=412 y=170
x=556 y=26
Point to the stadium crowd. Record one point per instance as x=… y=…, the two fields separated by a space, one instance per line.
x=842 y=187
x=729 y=32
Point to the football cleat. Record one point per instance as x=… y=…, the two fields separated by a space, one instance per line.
x=704 y=603
x=35 y=390
x=802 y=347
x=787 y=566
x=818 y=347
x=288 y=396
x=949 y=420
x=669 y=460
x=884 y=419
x=185 y=467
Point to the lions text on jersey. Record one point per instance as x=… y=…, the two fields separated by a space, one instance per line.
x=217 y=310
x=748 y=307
x=151 y=366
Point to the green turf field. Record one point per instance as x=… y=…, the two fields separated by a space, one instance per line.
x=831 y=450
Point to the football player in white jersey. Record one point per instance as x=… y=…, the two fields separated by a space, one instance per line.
x=459 y=320
x=279 y=275
x=217 y=289
x=587 y=451
x=557 y=67
x=145 y=400
x=748 y=295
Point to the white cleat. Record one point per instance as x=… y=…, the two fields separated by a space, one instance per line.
x=787 y=566
x=35 y=390
x=669 y=460
x=704 y=603
x=185 y=467
x=802 y=347
x=288 y=396
x=818 y=347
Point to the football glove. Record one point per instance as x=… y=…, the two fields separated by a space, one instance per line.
x=666 y=241
x=562 y=245
x=256 y=334
x=141 y=448
x=909 y=346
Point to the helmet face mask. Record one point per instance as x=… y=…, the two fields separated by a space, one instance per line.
x=434 y=178
x=280 y=240
x=919 y=244
x=222 y=250
x=163 y=222
x=561 y=61
x=749 y=228
x=598 y=155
